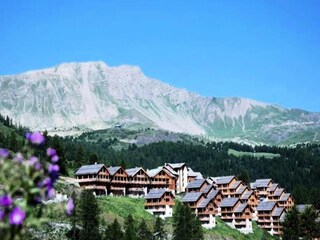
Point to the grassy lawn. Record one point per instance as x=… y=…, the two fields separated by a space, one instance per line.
x=257 y=154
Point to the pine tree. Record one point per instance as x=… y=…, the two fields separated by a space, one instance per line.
x=143 y=232
x=186 y=225
x=309 y=225
x=291 y=225
x=159 y=232
x=89 y=216
x=114 y=231
x=130 y=228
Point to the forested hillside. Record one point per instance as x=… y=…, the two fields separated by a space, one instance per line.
x=297 y=169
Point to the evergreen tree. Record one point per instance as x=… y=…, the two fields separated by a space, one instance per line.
x=291 y=225
x=186 y=225
x=89 y=216
x=93 y=158
x=114 y=231
x=309 y=226
x=130 y=228
x=143 y=232
x=159 y=232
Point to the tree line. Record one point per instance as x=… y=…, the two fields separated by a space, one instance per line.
x=297 y=169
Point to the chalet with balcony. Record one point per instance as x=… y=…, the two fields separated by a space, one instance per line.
x=225 y=183
x=119 y=181
x=272 y=188
x=182 y=178
x=208 y=189
x=276 y=195
x=261 y=186
x=138 y=181
x=251 y=199
x=270 y=217
x=286 y=201
x=237 y=214
x=162 y=178
x=216 y=197
x=206 y=211
x=94 y=177
x=197 y=185
x=159 y=202
x=192 y=199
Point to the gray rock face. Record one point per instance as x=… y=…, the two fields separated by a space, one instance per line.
x=95 y=96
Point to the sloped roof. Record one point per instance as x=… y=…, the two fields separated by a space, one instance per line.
x=204 y=203
x=261 y=183
x=207 y=188
x=191 y=173
x=236 y=184
x=246 y=195
x=176 y=165
x=155 y=193
x=273 y=187
x=285 y=197
x=197 y=183
x=155 y=171
x=133 y=171
x=277 y=212
x=229 y=202
x=213 y=194
x=302 y=207
x=223 y=179
x=240 y=208
x=170 y=169
x=241 y=189
x=266 y=206
x=113 y=170
x=278 y=192
x=191 y=197
x=89 y=169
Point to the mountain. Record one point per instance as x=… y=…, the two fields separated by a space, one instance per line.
x=92 y=95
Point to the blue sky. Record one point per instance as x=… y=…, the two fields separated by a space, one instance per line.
x=264 y=50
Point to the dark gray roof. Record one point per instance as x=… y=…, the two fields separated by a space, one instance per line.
x=155 y=193
x=240 y=208
x=278 y=192
x=155 y=171
x=236 y=184
x=113 y=170
x=302 y=207
x=229 y=202
x=191 y=173
x=246 y=195
x=277 y=212
x=259 y=183
x=197 y=183
x=191 y=196
x=207 y=188
x=273 y=187
x=89 y=169
x=241 y=189
x=213 y=194
x=170 y=169
x=266 y=206
x=223 y=179
x=204 y=203
x=285 y=197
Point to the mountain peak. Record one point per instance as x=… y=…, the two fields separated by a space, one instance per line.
x=94 y=95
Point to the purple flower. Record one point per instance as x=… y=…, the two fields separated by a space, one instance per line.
x=5 y=201
x=51 y=193
x=17 y=216
x=55 y=158
x=37 y=166
x=33 y=160
x=35 y=138
x=2 y=214
x=53 y=168
x=69 y=206
x=4 y=152
x=51 y=152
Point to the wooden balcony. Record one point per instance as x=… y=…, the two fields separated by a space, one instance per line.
x=82 y=180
